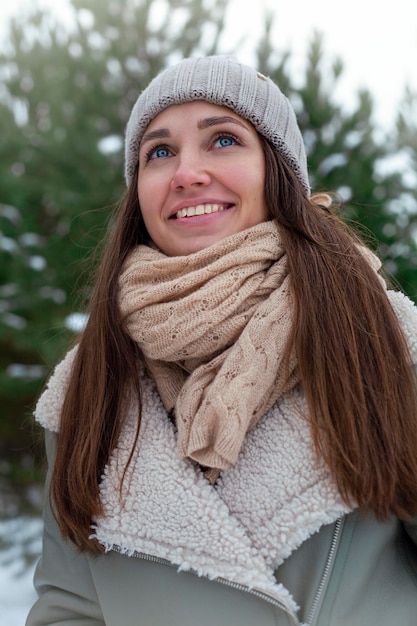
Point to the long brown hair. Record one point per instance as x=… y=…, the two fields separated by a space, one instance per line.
x=106 y=367
x=354 y=364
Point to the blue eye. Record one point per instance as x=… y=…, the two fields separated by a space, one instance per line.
x=225 y=141
x=159 y=152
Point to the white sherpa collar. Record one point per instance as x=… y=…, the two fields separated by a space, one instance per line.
x=276 y=496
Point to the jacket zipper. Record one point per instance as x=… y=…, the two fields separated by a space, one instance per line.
x=324 y=581
x=253 y=591
x=263 y=596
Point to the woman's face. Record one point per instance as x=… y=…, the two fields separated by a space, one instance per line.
x=201 y=177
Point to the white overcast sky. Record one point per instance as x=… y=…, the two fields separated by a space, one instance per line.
x=376 y=40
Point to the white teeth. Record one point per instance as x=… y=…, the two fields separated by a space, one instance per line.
x=200 y=209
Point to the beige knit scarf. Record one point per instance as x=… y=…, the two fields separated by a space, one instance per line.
x=213 y=327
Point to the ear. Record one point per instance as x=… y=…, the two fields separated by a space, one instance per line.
x=322 y=199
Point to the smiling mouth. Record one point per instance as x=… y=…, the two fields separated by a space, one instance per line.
x=201 y=209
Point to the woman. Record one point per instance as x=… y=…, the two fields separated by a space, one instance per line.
x=232 y=440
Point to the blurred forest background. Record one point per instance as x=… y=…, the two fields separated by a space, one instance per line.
x=65 y=96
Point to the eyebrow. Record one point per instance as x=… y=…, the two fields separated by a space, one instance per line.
x=163 y=133
x=214 y=121
x=160 y=133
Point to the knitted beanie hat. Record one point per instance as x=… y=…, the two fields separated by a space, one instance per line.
x=223 y=81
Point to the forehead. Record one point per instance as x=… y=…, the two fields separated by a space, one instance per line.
x=190 y=111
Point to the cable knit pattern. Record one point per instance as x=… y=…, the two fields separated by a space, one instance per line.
x=208 y=323
x=274 y=498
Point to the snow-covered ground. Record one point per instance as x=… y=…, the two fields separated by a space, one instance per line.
x=20 y=546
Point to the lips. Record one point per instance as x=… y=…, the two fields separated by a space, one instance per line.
x=200 y=209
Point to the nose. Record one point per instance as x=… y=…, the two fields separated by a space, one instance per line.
x=190 y=172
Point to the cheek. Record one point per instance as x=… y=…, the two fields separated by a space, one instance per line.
x=249 y=176
x=243 y=180
x=148 y=196
x=146 y=203
x=253 y=184
x=153 y=188
x=143 y=193
x=255 y=193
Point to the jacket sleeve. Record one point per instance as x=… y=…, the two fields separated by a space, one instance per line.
x=67 y=595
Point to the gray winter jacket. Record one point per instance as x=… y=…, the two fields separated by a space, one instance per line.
x=272 y=544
